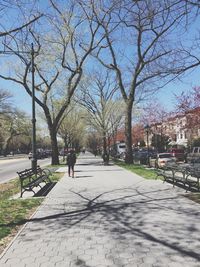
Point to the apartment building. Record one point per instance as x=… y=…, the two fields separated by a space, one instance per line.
x=181 y=129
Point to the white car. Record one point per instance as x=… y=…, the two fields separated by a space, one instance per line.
x=162 y=159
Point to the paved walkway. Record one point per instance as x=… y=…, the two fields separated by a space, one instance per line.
x=107 y=216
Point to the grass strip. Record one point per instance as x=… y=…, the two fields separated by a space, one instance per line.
x=9 y=189
x=141 y=170
x=15 y=212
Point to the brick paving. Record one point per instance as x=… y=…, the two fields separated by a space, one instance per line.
x=107 y=216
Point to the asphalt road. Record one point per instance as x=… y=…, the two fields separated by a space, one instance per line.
x=9 y=167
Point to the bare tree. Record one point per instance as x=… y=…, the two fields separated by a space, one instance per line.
x=72 y=128
x=187 y=101
x=141 y=48
x=193 y=3
x=105 y=111
x=7 y=7
x=187 y=104
x=60 y=56
x=154 y=112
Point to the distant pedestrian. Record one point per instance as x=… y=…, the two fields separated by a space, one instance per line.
x=71 y=160
x=105 y=157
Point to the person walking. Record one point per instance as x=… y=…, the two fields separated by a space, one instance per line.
x=71 y=160
x=105 y=157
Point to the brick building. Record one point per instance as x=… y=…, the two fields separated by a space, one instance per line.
x=181 y=129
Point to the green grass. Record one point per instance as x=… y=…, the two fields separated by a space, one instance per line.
x=56 y=176
x=15 y=212
x=138 y=169
x=9 y=189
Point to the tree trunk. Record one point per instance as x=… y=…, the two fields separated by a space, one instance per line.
x=53 y=136
x=104 y=143
x=54 y=145
x=128 y=134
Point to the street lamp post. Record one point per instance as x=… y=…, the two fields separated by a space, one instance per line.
x=34 y=157
x=147 y=129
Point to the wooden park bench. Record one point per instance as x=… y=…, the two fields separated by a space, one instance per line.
x=29 y=179
x=187 y=176
x=193 y=177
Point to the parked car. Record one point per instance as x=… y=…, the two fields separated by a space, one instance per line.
x=48 y=152
x=118 y=150
x=161 y=159
x=178 y=153
x=194 y=156
x=141 y=156
x=40 y=154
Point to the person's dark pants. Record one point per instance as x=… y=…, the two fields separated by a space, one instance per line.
x=71 y=170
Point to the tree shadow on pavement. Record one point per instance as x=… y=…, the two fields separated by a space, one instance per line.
x=141 y=219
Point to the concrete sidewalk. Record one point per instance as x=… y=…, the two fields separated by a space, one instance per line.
x=107 y=216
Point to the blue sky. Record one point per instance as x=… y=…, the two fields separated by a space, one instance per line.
x=166 y=94
x=23 y=101
x=20 y=98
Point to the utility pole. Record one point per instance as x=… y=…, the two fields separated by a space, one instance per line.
x=34 y=155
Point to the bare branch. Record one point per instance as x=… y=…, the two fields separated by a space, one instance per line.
x=20 y=27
